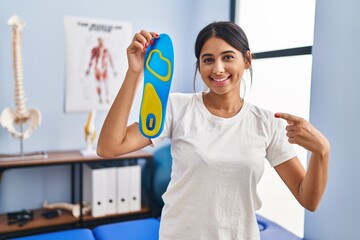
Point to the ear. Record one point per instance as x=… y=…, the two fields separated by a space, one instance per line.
x=248 y=59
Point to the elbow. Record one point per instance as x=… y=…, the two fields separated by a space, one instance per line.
x=311 y=206
x=105 y=152
x=100 y=152
x=310 y=203
x=106 y=147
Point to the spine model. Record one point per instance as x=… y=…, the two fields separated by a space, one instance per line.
x=21 y=114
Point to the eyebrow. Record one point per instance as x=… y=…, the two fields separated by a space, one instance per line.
x=222 y=53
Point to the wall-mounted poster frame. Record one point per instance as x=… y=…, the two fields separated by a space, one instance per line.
x=95 y=61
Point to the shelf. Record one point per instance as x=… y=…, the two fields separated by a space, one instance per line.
x=66 y=157
x=38 y=222
x=144 y=210
x=65 y=219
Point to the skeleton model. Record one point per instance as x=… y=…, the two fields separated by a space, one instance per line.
x=73 y=208
x=22 y=115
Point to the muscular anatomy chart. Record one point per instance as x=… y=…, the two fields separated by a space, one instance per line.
x=95 y=62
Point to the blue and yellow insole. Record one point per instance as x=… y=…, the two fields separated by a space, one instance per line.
x=158 y=71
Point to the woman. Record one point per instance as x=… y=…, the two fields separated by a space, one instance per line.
x=219 y=142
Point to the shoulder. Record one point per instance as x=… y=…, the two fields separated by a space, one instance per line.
x=180 y=103
x=260 y=113
x=181 y=96
x=263 y=119
x=181 y=99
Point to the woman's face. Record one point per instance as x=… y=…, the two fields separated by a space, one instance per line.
x=221 y=66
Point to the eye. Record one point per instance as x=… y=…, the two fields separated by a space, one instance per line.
x=229 y=57
x=208 y=60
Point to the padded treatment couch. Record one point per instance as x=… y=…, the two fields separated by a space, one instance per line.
x=143 y=229
x=147 y=229
x=78 y=234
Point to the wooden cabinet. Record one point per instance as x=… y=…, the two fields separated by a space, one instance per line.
x=66 y=220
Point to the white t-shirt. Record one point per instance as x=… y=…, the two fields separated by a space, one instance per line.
x=217 y=164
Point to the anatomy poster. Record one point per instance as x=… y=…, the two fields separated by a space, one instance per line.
x=95 y=62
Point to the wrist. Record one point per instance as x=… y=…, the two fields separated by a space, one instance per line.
x=324 y=151
x=135 y=69
x=134 y=75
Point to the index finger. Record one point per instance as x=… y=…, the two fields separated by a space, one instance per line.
x=154 y=34
x=288 y=117
x=146 y=37
x=149 y=35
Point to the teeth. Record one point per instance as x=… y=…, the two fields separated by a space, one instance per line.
x=219 y=80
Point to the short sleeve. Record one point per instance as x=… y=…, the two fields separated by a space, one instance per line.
x=279 y=149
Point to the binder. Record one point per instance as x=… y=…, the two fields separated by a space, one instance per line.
x=123 y=189
x=110 y=189
x=94 y=193
x=135 y=188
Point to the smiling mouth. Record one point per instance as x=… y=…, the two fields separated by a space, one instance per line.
x=220 y=79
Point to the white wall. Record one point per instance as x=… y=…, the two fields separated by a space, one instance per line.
x=334 y=110
x=278 y=88
x=44 y=78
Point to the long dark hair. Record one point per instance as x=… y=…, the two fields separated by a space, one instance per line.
x=227 y=31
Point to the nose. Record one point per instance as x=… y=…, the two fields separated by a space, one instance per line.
x=218 y=68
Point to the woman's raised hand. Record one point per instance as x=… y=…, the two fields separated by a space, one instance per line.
x=137 y=49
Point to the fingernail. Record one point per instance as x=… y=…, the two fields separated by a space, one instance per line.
x=156 y=35
x=277 y=115
x=144 y=49
x=151 y=42
x=146 y=45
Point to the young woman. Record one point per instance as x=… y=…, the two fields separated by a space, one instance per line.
x=219 y=142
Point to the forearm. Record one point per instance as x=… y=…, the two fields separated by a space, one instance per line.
x=114 y=128
x=308 y=187
x=313 y=185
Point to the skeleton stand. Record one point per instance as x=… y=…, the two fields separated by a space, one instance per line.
x=22 y=155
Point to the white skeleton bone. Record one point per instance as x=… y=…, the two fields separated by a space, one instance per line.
x=73 y=208
x=21 y=114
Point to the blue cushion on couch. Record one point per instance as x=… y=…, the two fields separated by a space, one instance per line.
x=143 y=229
x=78 y=234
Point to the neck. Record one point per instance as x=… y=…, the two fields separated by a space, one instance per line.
x=226 y=105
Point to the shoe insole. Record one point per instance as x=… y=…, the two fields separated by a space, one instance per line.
x=158 y=71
